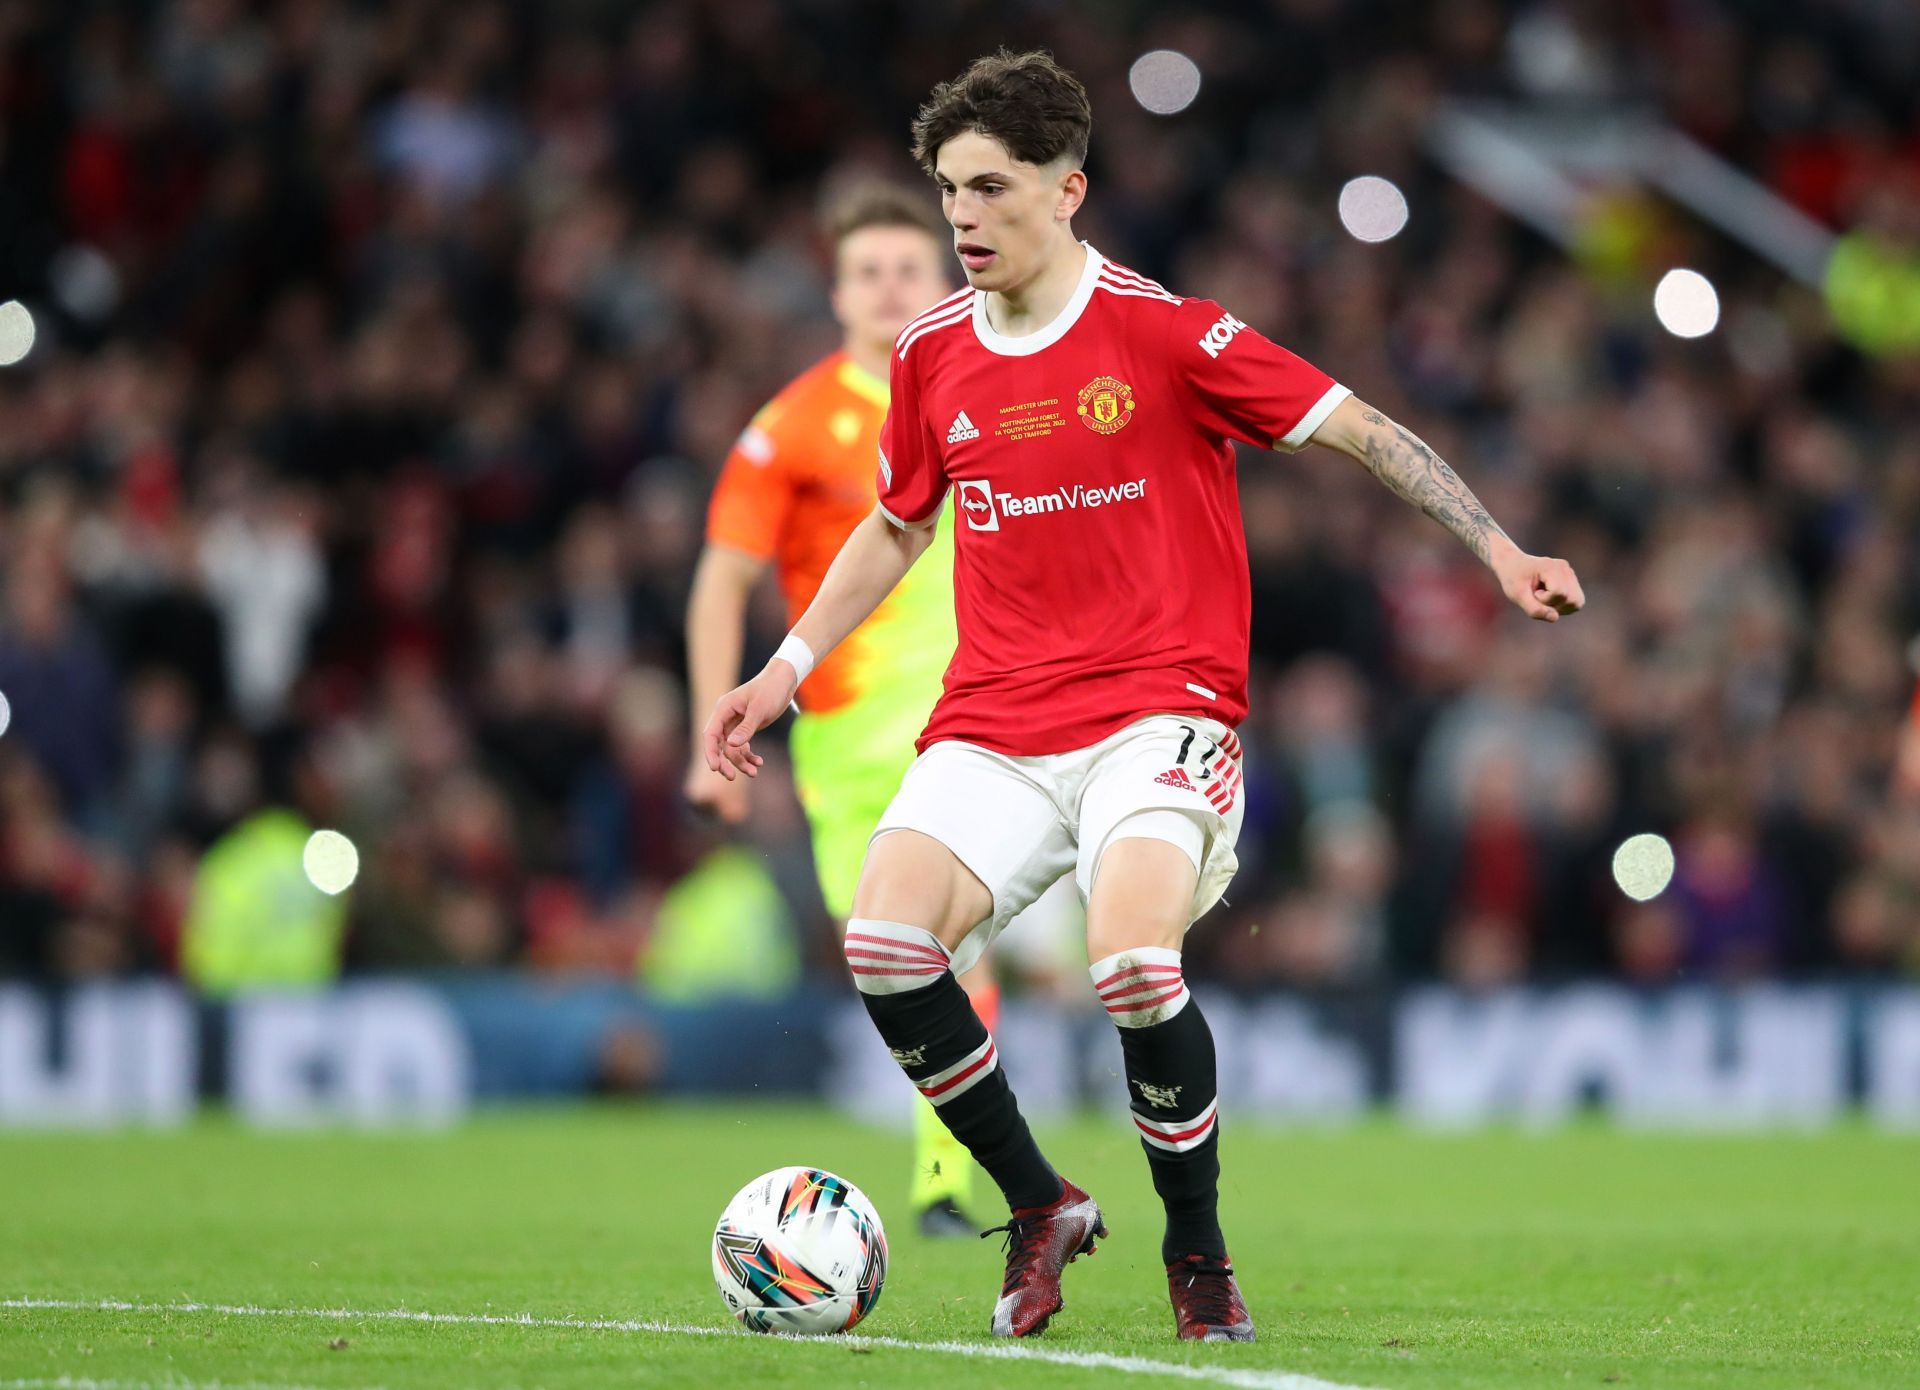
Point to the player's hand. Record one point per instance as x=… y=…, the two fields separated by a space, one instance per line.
x=1543 y=588
x=714 y=794
x=743 y=712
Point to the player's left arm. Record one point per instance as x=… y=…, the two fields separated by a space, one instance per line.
x=1541 y=587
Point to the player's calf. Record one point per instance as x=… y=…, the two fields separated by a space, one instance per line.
x=1171 y=1086
x=905 y=979
x=1138 y=916
x=1176 y=1109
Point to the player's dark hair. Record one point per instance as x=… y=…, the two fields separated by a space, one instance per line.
x=1026 y=101
x=879 y=205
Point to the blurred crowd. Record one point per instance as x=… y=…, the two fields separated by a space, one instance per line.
x=386 y=353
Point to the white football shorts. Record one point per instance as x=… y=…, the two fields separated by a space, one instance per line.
x=1020 y=823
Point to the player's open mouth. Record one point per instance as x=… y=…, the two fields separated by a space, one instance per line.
x=974 y=257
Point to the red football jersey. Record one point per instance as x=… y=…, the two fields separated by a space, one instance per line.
x=1101 y=564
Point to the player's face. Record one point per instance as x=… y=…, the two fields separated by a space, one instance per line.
x=1007 y=215
x=886 y=277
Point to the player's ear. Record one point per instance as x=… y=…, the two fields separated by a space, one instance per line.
x=1073 y=192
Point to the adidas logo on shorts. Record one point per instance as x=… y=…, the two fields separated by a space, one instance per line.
x=1176 y=777
x=962 y=429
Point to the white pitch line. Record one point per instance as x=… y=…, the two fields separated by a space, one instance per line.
x=1001 y=1351
x=171 y=1383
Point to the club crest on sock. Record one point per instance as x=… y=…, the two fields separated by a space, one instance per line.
x=1163 y=1097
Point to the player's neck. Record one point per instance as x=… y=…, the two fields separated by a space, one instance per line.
x=1031 y=307
x=870 y=358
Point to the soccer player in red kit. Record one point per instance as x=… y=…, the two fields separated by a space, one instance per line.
x=1083 y=417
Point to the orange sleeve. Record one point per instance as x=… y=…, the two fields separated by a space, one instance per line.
x=755 y=492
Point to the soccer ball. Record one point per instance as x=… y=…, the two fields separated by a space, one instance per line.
x=799 y=1250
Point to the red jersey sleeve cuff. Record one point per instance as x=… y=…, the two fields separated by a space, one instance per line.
x=922 y=524
x=1316 y=416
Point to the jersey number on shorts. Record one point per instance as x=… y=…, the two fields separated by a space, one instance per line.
x=1206 y=759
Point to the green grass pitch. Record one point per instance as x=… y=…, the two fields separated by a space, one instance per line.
x=1374 y=1256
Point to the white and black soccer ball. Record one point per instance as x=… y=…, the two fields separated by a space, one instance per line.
x=800 y=1250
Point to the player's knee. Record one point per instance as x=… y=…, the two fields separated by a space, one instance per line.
x=886 y=957
x=1142 y=896
x=1129 y=931
x=913 y=878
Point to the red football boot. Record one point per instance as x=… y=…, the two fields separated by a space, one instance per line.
x=1207 y=1306
x=1042 y=1241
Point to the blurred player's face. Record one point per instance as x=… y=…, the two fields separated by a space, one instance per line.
x=1010 y=218
x=886 y=277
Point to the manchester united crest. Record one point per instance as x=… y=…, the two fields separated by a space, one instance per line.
x=1106 y=404
x=1165 y=1097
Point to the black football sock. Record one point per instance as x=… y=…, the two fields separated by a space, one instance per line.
x=905 y=980
x=1172 y=1089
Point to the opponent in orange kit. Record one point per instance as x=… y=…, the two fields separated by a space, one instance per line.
x=799 y=479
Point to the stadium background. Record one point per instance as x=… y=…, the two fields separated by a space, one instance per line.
x=384 y=355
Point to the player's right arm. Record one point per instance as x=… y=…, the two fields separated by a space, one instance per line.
x=876 y=557
x=912 y=486
x=723 y=583
x=747 y=518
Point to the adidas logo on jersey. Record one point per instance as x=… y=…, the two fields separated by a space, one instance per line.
x=1176 y=777
x=962 y=429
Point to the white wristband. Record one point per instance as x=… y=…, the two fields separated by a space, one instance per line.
x=796 y=654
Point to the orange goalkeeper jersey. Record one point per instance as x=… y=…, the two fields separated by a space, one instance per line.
x=797 y=481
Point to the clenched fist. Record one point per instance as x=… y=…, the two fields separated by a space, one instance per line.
x=1541 y=587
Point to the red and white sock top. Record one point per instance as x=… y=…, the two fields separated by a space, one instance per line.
x=1140 y=987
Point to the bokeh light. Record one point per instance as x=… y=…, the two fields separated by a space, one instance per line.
x=16 y=332
x=1643 y=866
x=85 y=283
x=1685 y=303
x=1163 y=81
x=331 y=861
x=1372 y=208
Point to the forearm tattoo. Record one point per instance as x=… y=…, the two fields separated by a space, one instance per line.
x=1401 y=460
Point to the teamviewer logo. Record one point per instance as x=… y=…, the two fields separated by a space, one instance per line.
x=976 y=504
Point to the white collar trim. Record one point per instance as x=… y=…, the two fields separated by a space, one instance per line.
x=1029 y=343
